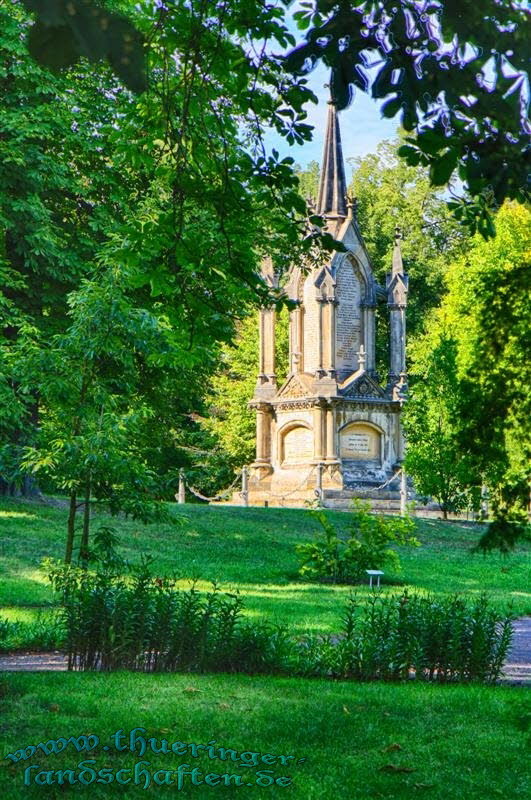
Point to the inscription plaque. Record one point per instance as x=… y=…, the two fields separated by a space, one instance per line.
x=298 y=445
x=348 y=319
x=360 y=443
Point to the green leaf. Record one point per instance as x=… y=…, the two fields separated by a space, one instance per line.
x=52 y=46
x=441 y=170
x=392 y=107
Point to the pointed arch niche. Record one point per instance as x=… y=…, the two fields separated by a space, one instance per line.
x=350 y=334
x=361 y=441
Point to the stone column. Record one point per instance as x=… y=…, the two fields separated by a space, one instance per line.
x=267 y=345
x=332 y=304
x=263 y=433
x=397 y=365
x=331 y=436
x=295 y=339
x=318 y=425
x=397 y=291
x=320 y=336
x=369 y=337
x=300 y=338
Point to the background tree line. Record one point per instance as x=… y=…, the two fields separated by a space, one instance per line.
x=129 y=156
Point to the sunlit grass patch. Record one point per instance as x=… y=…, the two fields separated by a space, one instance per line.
x=4 y=514
x=253 y=550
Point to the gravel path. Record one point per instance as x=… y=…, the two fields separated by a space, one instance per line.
x=517 y=667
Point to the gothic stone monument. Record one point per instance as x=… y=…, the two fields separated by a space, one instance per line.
x=331 y=426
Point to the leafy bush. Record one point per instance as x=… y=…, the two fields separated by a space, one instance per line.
x=411 y=636
x=142 y=622
x=338 y=559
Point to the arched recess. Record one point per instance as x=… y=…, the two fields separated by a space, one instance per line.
x=361 y=441
x=295 y=443
x=364 y=276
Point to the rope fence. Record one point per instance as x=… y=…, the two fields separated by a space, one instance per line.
x=223 y=495
x=383 y=485
x=243 y=476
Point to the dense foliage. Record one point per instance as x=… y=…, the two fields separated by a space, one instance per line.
x=149 y=624
x=413 y=636
x=367 y=543
x=124 y=256
x=455 y=72
x=468 y=418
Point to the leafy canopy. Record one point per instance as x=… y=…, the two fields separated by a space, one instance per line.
x=454 y=71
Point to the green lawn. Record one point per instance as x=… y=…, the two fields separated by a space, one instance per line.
x=451 y=742
x=252 y=549
x=459 y=742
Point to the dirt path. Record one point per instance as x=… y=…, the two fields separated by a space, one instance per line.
x=517 y=667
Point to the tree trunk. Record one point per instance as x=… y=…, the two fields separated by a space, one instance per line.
x=70 y=527
x=84 y=546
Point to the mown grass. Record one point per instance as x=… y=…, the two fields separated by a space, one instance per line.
x=253 y=550
x=458 y=742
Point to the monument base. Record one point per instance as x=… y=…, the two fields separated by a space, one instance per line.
x=328 y=483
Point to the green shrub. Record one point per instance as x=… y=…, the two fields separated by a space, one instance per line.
x=367 y=545
x=411 y=636
x=142 y=622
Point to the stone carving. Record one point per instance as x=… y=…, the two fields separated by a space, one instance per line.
x=363 y=386
x=295 y=387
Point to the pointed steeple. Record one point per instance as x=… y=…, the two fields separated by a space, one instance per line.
x=397 y=264
x=332 y=200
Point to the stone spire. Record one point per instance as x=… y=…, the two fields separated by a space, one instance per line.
x=397 y=264
x=397 y=289
x=332 y=200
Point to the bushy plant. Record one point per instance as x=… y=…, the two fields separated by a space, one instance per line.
x=119 y=617
x=411 y=636
x=367 y=545
x=142 y=622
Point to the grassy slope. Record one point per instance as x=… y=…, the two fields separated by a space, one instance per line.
x=462 y=742
x=253 y=549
